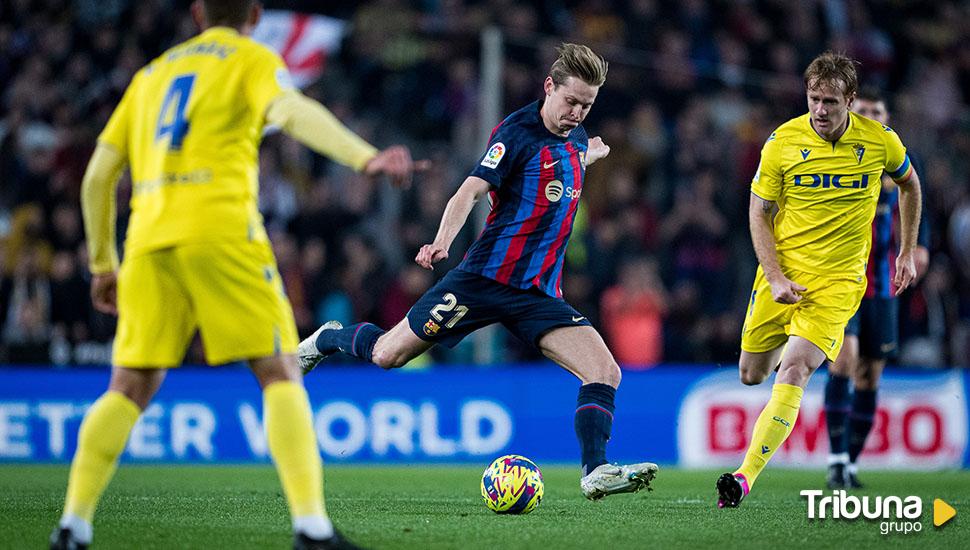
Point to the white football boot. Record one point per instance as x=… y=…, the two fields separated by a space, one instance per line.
x=307 y=352
x=611 y=479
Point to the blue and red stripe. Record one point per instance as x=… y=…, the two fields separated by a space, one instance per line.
x=535 y=187
x=554 y=256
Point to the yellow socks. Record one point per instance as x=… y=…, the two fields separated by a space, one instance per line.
x=101 y=440
x=771 y=430
x=293 y=446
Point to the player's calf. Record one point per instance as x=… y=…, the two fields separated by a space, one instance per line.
x=389 y=358
x=394 y=348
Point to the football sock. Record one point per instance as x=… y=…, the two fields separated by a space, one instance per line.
x=594 y=421
x=860 y=421
x=79 y=527
x=293 y=446
x=837 y=407
x=315 y=527
x=357 y=340
x=771 y=430
x=101 y=440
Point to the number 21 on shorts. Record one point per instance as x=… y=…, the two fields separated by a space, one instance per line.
x=450 y=304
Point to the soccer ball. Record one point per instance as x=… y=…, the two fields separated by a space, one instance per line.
x=512 y=484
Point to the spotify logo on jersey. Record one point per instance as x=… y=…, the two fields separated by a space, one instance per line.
x=554 y=191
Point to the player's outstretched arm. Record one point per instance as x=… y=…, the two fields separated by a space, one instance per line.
x=596 y=150
x=395 y=162
x=98 y=209
x=910 y=205
x=453 y=219
x=760 y=214
x=315 y=126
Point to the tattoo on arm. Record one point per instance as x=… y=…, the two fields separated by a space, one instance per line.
x=767 y=206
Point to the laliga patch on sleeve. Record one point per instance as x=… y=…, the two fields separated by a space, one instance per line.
x=283 y=79
x=494 y=155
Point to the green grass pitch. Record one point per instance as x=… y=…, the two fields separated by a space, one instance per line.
x=439 y=507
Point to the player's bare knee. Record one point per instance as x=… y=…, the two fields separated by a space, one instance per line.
x=865 y=382
x=604 y=373
x=613 y=374
x=752 y=377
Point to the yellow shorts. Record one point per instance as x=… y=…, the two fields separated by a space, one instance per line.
x=820 y=317
x=231 y=292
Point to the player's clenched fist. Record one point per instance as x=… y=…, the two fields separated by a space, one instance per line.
x=785 y=291
x=597 y=150
x=104 y=292
x=431 y=254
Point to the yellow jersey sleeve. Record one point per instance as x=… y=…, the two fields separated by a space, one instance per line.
x=897 y=161
x=98 y=207
x=768 y=180
x=268 y=79
x=316 y=127
x=116 y=133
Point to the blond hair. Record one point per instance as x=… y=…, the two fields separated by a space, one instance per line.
x=833 y=69
x=578 y=61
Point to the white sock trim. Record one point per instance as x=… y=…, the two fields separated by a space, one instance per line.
x=853 y=469
x=79 y=527
x=315 y=527
x=838 y=458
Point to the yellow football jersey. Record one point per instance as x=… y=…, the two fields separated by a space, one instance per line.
x=190 y=124
x=827 y=191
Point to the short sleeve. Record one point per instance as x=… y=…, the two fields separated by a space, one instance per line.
x=497 y=162
x=897 y=161
x=115 y=133
x=768 y=179
x=268 y=79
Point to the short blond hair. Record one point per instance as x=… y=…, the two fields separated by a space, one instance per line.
x=578 y=61
x=833 y=69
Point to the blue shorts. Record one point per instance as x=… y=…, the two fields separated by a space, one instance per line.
x=876 y=323
x=463 y=302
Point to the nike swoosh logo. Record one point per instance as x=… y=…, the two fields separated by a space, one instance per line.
x=578 y=319
x=548 y=165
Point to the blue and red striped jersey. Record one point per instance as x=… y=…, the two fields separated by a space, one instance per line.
x=536 y=179
x=881 y=267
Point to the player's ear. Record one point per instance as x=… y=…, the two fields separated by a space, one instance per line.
x=198 y=14
x=850 y=100
x=548 y=85
x=255 y=14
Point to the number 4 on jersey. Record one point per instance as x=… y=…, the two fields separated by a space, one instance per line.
x=172 y=121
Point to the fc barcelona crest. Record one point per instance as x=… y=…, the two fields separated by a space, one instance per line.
x=431 y=328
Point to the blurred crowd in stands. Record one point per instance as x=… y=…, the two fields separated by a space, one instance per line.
x=660 y=258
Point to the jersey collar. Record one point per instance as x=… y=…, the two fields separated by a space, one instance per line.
x=220 y=29
x=850 y=127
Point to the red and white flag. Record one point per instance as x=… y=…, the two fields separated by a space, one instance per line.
x=303 y=41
